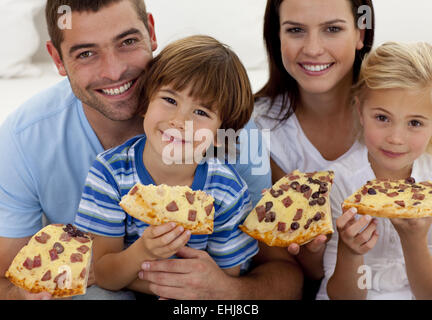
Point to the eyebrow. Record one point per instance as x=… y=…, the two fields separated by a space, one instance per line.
x=321 y=24
x=126 y=33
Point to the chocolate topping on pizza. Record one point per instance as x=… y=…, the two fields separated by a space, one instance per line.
x=295 y=210
x=393 y=198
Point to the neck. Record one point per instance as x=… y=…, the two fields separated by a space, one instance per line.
x=169 y=174
x=383 y=173
x=112 y=133
x=333 y=103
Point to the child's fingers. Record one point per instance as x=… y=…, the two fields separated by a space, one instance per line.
x=348 y=215
x=169 y=237
x=356 y=227
x=366 y=234
x=179 y=241
x=370 y=244
x=157 y=231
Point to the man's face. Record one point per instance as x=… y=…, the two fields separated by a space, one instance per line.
x=104 y=54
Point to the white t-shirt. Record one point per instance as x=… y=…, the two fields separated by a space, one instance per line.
x=289 y=146
x=385 y=262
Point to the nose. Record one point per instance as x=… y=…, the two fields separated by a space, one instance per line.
x=396 y=136
x=313 y=45
x=178 y=120
x=112 y=66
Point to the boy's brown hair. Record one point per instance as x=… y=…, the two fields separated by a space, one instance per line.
x=52 y=15
x=214 y=73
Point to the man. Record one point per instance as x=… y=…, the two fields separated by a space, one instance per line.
x=52 y=140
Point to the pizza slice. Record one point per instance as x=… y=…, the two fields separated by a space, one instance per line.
x=55 y=260
x=392 y=198
x=155 y=205
x=295 y=210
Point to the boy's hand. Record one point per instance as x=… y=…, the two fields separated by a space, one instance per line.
x=163 y=241
x=316 y=245
x=360 y=235
x=412 y=229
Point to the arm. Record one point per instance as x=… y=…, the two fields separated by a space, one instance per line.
x=157 y=242
x=413 y=234
x=9 y=247
x=356 y=238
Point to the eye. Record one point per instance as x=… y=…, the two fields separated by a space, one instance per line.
x=415 y=123
x=333 y=29
x=170 y=100
x=129 y=42
x=201 y=113
x=294 y=30
x=381 y=118
x=85 y=55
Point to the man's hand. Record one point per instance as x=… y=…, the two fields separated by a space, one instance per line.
x=194 y=277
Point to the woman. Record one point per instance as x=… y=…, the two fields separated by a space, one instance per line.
x=315 y=49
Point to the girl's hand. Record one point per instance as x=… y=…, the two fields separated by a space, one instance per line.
x=412 y=229
x=316 y=245
x=360 y=235
x=163 y=241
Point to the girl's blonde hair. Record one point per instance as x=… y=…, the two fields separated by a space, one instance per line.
x=395 y=65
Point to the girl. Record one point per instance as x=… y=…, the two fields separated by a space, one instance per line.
x=385 y=258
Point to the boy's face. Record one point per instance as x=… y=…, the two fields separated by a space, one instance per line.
x=179 y=127
x=103 y=55
x=397 y=126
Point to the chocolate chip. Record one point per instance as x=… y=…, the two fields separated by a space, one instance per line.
x=260 y=213
x=401 y=203
x=270 y=216
x=268 y=205
x=192 y=215
x=372 y=191
x=275 y=193
x=190 y=197
x=315 y=195
x=295 y=225
x=58 y=247
x=317 y=216
x=287 y=202
x=298 y=215
x=323 y=189
x=321 y=201
x=410 y=180
x=294 y=185
x=172 y=206
x=313 y=202
x=281 y=226
x=304 y=188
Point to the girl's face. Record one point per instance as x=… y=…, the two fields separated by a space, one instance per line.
x=318 y=42
x=179 y=128
x=397 y=128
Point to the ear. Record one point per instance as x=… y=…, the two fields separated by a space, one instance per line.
x=55 y=56
x=151 y=30
x=360 y=40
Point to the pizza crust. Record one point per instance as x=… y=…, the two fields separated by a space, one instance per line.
x=415 y=199
x=149 y=204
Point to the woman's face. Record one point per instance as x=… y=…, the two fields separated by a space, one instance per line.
x=318 y=42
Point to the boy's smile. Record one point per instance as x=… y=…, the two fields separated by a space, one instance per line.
x=397 y=129
x=178 y=125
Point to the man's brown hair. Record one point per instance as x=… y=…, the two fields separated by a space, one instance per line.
x=52 y=15
x=214 y=73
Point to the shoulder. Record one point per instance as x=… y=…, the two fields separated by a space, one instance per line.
x=267 y=114
x=422 y=169
x=50 y=104
x=120 y=156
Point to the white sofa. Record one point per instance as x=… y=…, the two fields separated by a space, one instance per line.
x=237 y=23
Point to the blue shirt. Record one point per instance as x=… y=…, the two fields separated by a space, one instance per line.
x=117 y=170
x=47 y=147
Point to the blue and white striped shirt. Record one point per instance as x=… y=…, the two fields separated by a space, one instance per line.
x=115 y=172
